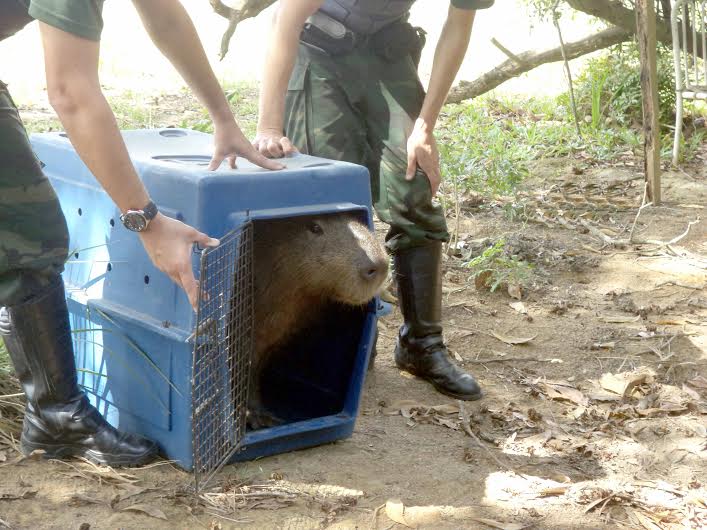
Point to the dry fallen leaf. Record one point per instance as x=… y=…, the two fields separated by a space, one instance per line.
x=152 y=511
x=514 y=291
x=563 y=391
x=555 y=491
x=83 y=500
x=698 y=382
x=619 y=319
x=512 y=340
x=431 y=516
x=520 y=307
x=670 y=322
x=500 y=525
x=624 y=383
x=26 y=494
x=690 y=392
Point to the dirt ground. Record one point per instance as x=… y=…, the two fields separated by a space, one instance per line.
x=595 y=407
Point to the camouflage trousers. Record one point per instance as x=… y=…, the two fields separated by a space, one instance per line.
x=361 y=108
x=33 y=234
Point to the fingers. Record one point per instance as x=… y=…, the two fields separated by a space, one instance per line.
x=232 y=162
x=216 y=160
x=185 y=278
x=412 y=166
x=435 y=180
x=260 y=160
x=287 y=146
x=204 y=241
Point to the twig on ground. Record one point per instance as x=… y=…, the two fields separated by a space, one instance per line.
x=643 y=205
x=681 y=284
x=504 y=359
x=684 y=234
x=620 y=242
x=237 y=521
x=466 y=427
x=374 y=517
x=599 y=234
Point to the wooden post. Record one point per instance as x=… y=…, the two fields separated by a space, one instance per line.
x=647 y=44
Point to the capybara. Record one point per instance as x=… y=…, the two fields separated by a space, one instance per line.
x=301 y=264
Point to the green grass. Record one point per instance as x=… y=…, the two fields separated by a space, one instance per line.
x=487 y=145
x=5 y=363
x=496 y=267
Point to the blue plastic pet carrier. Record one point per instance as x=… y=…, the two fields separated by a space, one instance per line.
x=155 y=367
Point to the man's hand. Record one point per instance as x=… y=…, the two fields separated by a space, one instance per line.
x=273 y=144
x=423 y=152
x=169 y=243
x=230 y=142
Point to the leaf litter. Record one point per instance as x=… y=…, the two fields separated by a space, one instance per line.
x=595 y=408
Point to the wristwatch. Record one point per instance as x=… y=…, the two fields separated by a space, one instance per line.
x=137 y=220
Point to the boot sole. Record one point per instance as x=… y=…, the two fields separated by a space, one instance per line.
x=441 y=389
x=63 y=452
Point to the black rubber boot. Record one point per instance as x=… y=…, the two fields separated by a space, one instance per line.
x=420 y=349
x=58 y=418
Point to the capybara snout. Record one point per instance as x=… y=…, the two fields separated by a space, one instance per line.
x=354 y=264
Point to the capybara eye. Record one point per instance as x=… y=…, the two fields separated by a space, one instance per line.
x=315 y=229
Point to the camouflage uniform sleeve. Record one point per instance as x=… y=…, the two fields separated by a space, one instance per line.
x=472 y=4
x=82 y=18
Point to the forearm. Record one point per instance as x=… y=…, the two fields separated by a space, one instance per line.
x=449 y=54
x=279 y=61
x=71 y=65
x=281 y=54
x=91 y=126
x=173 y=32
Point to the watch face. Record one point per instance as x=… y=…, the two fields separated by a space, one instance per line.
x=134 y=221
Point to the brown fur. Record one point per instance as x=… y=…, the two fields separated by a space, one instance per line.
x=298 y=268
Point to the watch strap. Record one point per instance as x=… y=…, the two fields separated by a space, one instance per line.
x=150 y=211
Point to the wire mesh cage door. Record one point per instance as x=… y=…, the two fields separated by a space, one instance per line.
x=223 y=342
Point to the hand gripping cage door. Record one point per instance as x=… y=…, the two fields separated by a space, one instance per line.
x=223 y=342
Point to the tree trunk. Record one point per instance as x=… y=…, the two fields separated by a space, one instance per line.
x=645 y=23
x=526 y=61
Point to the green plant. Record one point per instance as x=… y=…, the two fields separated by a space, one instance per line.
x=610 y=86
x=597 y=89
x=494 y=267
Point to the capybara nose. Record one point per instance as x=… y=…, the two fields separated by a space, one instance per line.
x=371 y=270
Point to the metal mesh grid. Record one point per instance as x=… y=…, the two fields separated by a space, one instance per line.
x=222 y=352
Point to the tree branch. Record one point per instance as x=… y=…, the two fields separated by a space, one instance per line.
x=615 y=13
x=526 y=61
x=247 y=9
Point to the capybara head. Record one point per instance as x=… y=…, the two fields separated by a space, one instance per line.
x=332 y=257
x=301 y=264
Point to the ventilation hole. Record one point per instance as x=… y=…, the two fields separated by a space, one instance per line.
x=180 y=217
x=76 y=255
x=172 y=133
x=318 y=164
x=64 y=135
x=80 y=212
x=112 y=222
x=109 y=267
x=147 y=279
